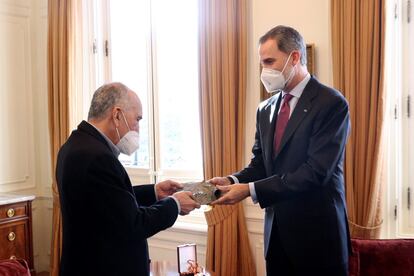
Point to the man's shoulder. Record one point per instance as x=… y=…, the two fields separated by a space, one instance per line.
x=83 y=158
x=82 y=146
x=326 y=93
x=82 y=140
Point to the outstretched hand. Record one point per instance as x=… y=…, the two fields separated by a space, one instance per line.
x=231 y=194
x=187 y=202
x=219 y=181
x=167 y=188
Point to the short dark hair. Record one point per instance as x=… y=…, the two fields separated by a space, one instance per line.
x=288 y=40
x=106 y=97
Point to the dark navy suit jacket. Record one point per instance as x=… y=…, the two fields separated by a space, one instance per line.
x=106 y=221
x=302 y=186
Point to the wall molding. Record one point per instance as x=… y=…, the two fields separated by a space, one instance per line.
x=18 y=80
x=16 y=3
x=14 y=8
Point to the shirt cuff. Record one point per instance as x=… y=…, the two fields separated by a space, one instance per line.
x=253 y=192
x=178 y=204
x=235 y=180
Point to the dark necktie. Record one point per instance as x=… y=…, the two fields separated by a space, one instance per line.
x=281 y=122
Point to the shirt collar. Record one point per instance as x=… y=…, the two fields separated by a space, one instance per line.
x=113 y=148
x=298 y=89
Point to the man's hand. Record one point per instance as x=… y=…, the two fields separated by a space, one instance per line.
x=219 y=181
x=187 y=203
x=232 y=194
x=167 y=188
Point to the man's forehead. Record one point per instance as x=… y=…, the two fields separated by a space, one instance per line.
x=268 y=47
x=139 y=109
x=135 y=103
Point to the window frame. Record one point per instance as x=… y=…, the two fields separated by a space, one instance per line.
x=398 y=220
x=407 y=61
x=97 y=70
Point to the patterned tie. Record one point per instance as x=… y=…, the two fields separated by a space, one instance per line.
x=282 y=120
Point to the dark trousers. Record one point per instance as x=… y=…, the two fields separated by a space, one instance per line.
x=279 y=264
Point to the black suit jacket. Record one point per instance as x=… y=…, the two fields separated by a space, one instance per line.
x=106 y=221
x=302 y=186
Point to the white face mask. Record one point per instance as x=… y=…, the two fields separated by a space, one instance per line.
x=129 y=143
x=274 y=80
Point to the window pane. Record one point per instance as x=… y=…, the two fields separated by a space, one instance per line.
x=130 y=37
x=176 y=40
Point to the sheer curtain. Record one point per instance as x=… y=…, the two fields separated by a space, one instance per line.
x=223 y=87
x=358 y=39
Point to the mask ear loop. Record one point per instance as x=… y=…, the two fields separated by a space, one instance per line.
x=117 y=132
x=125 y=121
x=291 y=71
x=284 y=67
x=116 y=128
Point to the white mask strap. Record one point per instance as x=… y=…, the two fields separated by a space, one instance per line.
x=286 y=62
x=125 y=121
x=117 y=132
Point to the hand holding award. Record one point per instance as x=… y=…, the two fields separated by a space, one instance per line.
x=203 y=192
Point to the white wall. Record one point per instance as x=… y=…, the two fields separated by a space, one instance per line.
x=24 y=139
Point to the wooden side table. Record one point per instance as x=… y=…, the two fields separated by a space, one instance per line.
x=16 y=240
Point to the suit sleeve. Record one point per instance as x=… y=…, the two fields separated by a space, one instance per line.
x=256 y=169
x=115 y=202
x=145 y=194
x=325 y=152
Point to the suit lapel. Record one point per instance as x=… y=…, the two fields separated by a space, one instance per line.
x=271 y=121
x=302 y=108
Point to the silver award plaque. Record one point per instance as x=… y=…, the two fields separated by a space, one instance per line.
x=203 y=192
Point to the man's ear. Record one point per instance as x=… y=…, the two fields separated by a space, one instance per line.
x=116 y=116
x=296 y=57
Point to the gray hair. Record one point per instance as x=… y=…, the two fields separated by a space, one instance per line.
x=106 y=97
x=288 y=40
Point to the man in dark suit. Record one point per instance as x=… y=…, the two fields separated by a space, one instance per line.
x=106 y=220
x=296 y=172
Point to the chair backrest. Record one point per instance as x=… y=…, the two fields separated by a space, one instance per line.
x=382 y=257
x=14 y=267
